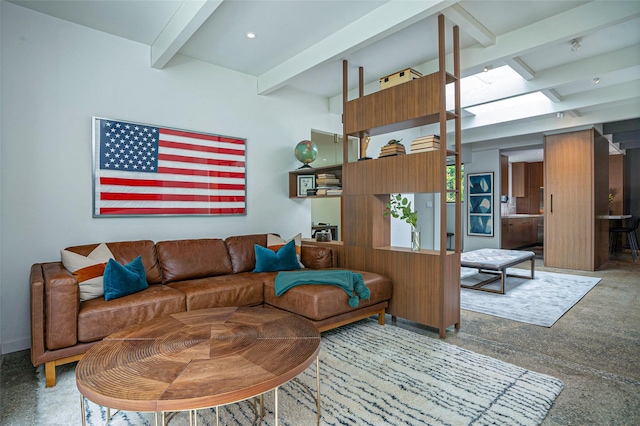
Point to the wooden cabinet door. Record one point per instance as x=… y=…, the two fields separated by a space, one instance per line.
x=568 y=231
x=519 y=179
x=576 y=178
x=506 y=235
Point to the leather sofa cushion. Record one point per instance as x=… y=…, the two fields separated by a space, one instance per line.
x=242 y=252
x=98 y=318
x=243 y=289
x=191 y=259
x=125 y=251
x=318 y=301
x=315 y=257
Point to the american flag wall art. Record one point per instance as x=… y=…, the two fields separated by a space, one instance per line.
x=141 y=169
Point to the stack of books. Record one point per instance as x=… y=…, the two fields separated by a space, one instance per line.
x=328 y=184
x=392 y=149
x=426 y=143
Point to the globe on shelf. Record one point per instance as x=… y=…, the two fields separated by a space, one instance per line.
x=306 y=151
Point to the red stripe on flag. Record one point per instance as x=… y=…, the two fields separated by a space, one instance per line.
x=201 y=148
x=172 y=211
x=176 y=171
x=120 y=196
x=169 y=184
x=215 y=138
x=210 y=161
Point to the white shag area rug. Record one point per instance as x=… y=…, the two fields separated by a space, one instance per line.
x=370 y=375
x=541 y=301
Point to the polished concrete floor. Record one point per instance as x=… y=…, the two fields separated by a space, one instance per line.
x=594 y=349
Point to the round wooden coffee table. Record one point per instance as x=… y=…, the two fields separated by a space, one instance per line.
x=198 y=359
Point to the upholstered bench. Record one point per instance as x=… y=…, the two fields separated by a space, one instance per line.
x=494 y=261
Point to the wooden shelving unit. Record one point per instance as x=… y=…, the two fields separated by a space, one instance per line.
x=427 y=282
x=336 y=169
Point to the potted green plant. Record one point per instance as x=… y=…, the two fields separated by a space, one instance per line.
x=399 y=207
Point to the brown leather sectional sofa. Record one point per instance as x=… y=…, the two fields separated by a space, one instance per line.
x=182 y=275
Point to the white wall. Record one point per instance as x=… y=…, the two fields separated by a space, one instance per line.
x=55 y=76
x=481 y=162
x=0 y=180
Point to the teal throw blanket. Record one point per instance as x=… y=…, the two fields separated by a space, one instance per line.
x=351 y=282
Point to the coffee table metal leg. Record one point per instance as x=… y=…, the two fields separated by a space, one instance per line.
x=318 y=388
x=276 y=404
x=84 y=419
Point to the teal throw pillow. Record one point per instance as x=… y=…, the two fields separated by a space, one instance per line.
x=122 y=280
x=284 y=259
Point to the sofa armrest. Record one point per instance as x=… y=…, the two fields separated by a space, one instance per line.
x=61 y=306
x=36 y=279
x=316 y=257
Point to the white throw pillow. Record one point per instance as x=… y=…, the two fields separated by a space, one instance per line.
x=88 y=270
x=274 y=243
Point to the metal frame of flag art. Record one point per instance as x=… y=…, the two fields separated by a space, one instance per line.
x=147 y=170
x=480 y=213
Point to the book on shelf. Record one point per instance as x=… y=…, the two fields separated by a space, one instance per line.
x=392 y=149
x=414 y=150
x=428 y=144
x=327 y=181
x=329 y=190
x=425 y=145
x=427 y=138
x=325 y=176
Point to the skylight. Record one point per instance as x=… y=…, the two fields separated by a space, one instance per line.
x=479 y=91
x=531 y=102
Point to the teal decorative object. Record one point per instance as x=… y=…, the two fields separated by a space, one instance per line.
x=306 y=152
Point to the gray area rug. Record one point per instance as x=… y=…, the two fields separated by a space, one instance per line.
x=541 y=301
x=370 y=375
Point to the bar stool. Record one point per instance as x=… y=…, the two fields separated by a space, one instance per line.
x=630 y=232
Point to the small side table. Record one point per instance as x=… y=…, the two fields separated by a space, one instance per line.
x=449 y=240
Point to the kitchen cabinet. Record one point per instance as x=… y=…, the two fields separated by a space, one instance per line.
x=530 y=203
x=519 y=231
x=519 y=175
x=504 y=175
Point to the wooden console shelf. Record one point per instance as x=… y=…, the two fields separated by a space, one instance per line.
x=410 y=104
x=410 y=173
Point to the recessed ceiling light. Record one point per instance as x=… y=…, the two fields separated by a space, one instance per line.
x=596 y=80
x=575 y=44
x=251 y=35
x=487 y=68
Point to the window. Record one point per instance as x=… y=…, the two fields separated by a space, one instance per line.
x=451 y=170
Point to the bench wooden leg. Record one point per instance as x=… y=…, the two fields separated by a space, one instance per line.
x=50 y=374
x=381 y=319
x=50 y=368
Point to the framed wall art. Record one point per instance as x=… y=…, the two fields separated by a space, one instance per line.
x=305 y=182
x=480 y=204
x=146 y=170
